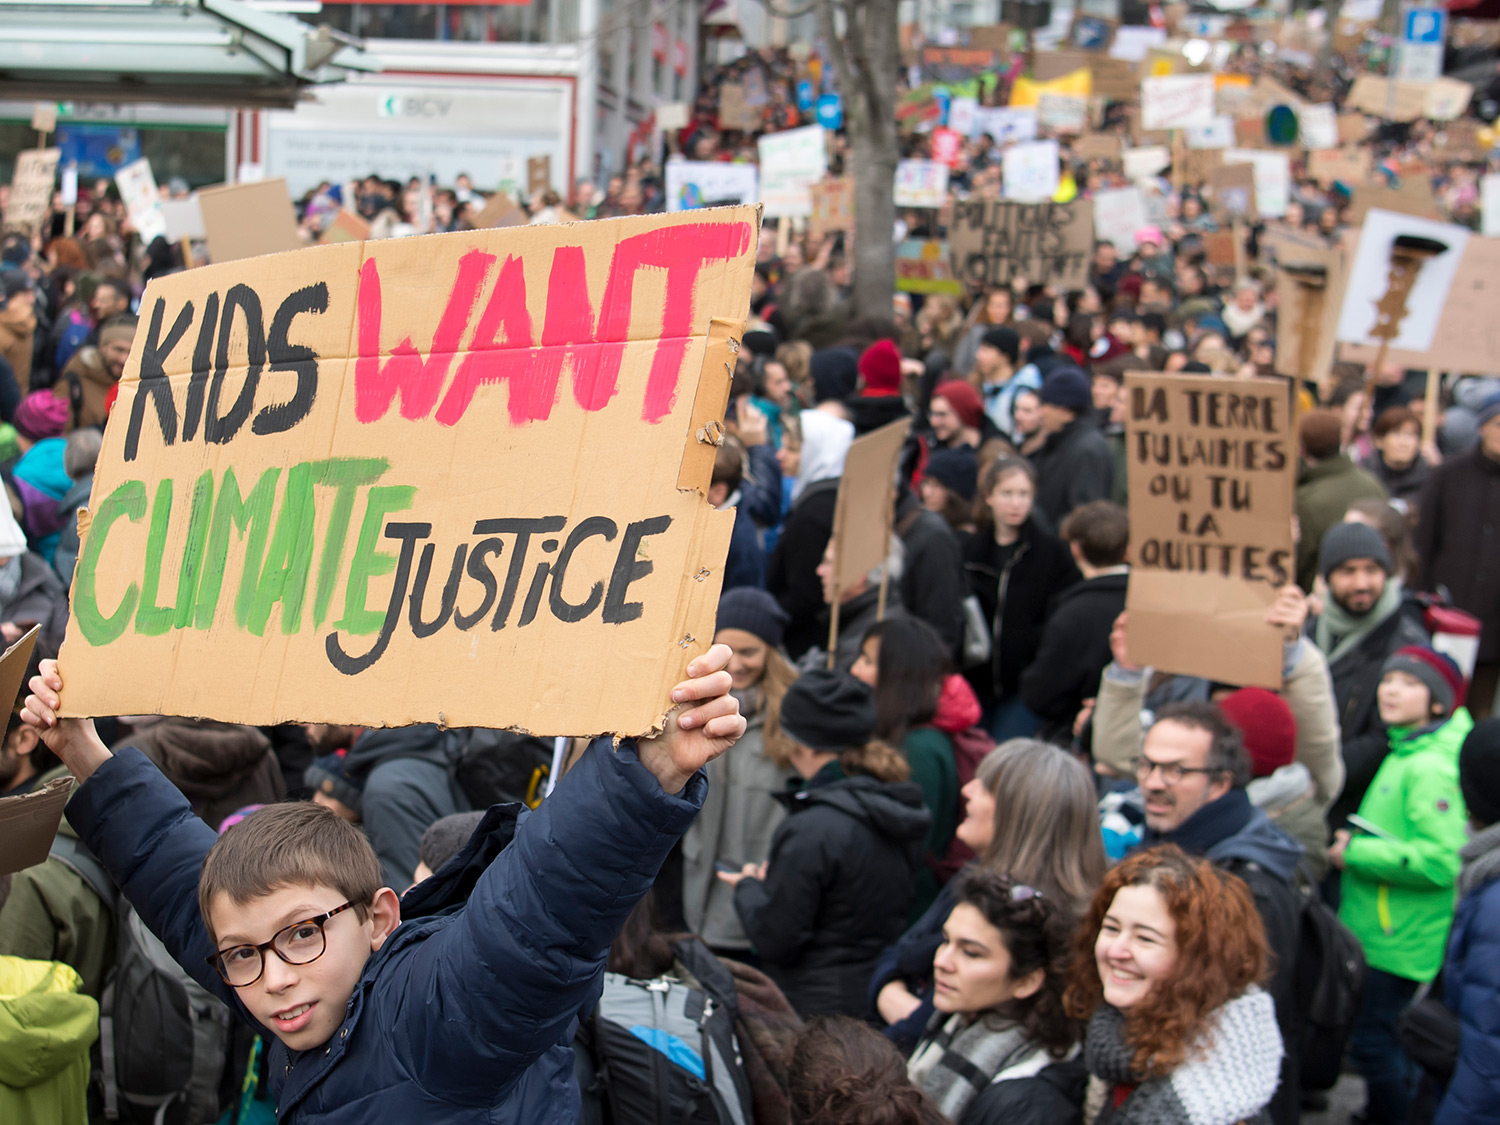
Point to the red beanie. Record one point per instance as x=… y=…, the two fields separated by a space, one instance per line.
x=1266 y=722
x=881 y=368
x=964 y=399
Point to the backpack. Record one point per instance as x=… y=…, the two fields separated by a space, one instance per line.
x=665 y=1049
x=1331 y=982
x=496 y=767
x=163 y=1038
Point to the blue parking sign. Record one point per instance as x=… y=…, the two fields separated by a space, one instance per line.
x=1425 y=26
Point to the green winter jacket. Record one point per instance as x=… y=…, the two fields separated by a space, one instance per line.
x=46 y=1030
x=1398 y=893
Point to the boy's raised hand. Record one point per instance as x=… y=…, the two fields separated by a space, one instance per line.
x=73 y=740
x=705 y=722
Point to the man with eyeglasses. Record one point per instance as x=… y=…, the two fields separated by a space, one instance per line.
x=1192 y=771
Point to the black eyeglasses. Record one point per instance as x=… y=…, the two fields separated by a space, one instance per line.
x=1171 y=772
x=298 y=944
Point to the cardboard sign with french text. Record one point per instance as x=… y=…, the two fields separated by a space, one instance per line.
x=31 y=189
x=1212 y=465
x=456 y=479
x=993 y=243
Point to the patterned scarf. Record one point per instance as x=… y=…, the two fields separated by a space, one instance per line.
x=1481 y=859
x=955 y=1062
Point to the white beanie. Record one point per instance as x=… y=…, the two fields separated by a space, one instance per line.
x=12 y=538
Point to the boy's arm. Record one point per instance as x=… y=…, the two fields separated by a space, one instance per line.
x=1429 y=858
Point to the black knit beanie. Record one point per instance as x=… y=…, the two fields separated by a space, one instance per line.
x=1479 y=772
x=828 y=711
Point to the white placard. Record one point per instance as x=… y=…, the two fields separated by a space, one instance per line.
x=1369 y=279
x=673 y=115
x=706 y=183
x=1273 y=178
x=142 y=201
x=1030 y=172
x=1118 y=214
x=1005 y=123
x=1175 y=101
x=1489 y=205
x=1218 y=133
x=961 y=115
x=790 y=163
x=1062 y=112
x=921 y=183
x=1318 y=126
x=1147 y=161
x=1133 y=43
x=183 y=218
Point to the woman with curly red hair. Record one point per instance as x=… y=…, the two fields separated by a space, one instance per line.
x=1167 y=970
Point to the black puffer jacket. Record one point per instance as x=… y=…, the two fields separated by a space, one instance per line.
x=1074 y=652
x=838 y=885
x=1015 y=595
x=1073 y=467
x=792 y=570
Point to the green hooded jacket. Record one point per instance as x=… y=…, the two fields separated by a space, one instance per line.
x=1398 y=892
x=46 y=1030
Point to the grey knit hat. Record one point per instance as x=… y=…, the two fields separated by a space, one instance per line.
x=1345 y=541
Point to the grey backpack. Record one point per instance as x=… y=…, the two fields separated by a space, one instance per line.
x=163 y=1038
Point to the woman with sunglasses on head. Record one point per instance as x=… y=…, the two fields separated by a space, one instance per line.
x=1000 y=1048
x=1167 y=970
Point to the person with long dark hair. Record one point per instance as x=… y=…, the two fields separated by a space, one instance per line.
x=1001 y=1049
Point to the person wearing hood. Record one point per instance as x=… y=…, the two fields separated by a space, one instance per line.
x=1192 y=771
x=839 y=881
x=741 y=813
x=41 y=479
x=219 y=767
x=394 y=782
x=792 y=570
x=1074 y=465
x=878 y=401
x=1471 y=973
x=46 y=1029
x=919 y=706
x=1364 y=621
x=30 y=593
x=1401 y=869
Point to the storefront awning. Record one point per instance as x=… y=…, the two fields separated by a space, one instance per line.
x=210 y=52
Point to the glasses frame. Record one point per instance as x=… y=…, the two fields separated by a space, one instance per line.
x=319 y=920
x=1144 y=767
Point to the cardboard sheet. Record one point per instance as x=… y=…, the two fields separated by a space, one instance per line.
x=864 y=511
x=248 y=220
x=457 y=479
x=1046 y=243
x=832 y=206
x=1212 y=466
x=31 y=189
x=28 y=824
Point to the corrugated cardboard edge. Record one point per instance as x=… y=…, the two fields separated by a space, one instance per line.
x=710 y=401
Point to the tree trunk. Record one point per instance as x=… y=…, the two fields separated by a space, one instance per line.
x=866 y=55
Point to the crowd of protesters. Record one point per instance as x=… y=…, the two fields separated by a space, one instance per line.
x=1005 y=872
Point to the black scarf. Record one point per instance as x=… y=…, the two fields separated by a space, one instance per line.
x=1210 y=825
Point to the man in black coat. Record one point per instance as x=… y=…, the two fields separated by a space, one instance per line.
x=1074 y=465
x=1458 y=541
x=1363 y=622
x=1075 y=641
x=933 y=586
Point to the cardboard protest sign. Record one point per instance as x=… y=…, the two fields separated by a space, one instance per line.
x=248 y=220
x=1233 y=188
x=1176 y=101
x=734 y=112
x=1340 y=165
x=673 y=115
x=1273 y=178
x=1212 y=465
x=1388 y=97
x=1114 y=78
x=183 y=218
x=832 y=206
x=1132 y=44
x=947 y=145
x=1062 y=113
x=1353 y=128
x=921 y=183
x=29 y=823
x=1146 y=161
x=691 y=184
x=865 y=508
x=1318 y=126
x=1219 y=247
x=538 y=174
x=925 y=266
x=961 y=115
x=917 y=106
x=1030 y=172
x=1005 y=124
x=1097 y=146
x=1218 y=133
x=500 y=210
x=142 y=201
x=1078 y=84
x=345 y=226
x=1046 y=243
x=31 y=189
x=1489 y=204
x=1118 y=214
x=1309 y=286
x=1413 y=197
x=1447 y=98
x=1198 y=164
x=458 y=478
x=790 y=163
x=1459 y=140
x=1368 y=306
x=1049 y=65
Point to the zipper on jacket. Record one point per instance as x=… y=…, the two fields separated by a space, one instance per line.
x=998 y=624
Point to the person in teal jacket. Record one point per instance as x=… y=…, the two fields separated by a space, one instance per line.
x=1400 y=861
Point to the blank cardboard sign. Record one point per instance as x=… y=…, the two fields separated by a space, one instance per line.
x=248 y=220
x=863 y=512
x=456 y=479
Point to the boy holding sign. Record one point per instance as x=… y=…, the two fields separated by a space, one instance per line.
x=466 y=1011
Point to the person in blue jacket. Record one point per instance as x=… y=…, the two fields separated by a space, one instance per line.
x=1471 y=974
x=456 y=1005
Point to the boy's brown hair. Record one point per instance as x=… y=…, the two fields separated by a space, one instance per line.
x=297 y=843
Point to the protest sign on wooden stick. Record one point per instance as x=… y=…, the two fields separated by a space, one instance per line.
x=456 y=479
x=1212 y=465
x=1046 y=243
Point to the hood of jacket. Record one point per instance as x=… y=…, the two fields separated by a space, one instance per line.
x=870 y=412
x=424 y=741
x=1262 y=842
x=1285 y=787
x=77 y=496
x=825 y=443
x=206 y=759
x=41 y=466
x=958 y=707
x=892 y=808
x=46 y=1024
